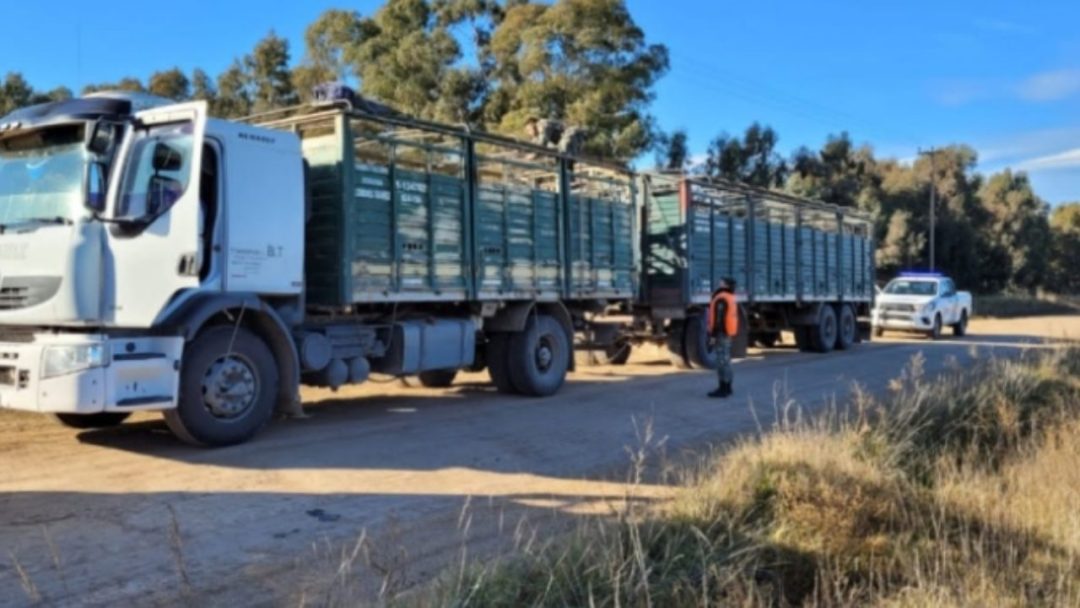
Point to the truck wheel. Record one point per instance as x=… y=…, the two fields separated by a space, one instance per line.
x=676 y=345
x=102 y=420
x=496 y=353
x=848 y=331
x=960 y=329
x=440 y=378
x=539 y=357
x=935 y=332
x=823 y=335
x=699 y=351
x=228 y=387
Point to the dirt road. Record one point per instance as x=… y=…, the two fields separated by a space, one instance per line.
x=130 y=516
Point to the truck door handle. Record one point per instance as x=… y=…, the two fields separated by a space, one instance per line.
x=187 y=266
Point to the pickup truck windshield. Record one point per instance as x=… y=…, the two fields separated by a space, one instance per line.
x=905 y=287
x=41 y=175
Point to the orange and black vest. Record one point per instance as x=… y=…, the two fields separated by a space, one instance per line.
x=724 y=314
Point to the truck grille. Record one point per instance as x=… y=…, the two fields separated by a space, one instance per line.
x=17 y=335
x=24 y=292
x=898 y=307
x=9 y=376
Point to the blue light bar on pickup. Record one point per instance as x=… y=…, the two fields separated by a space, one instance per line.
x=922 y=275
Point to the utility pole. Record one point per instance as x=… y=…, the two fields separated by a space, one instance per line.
x=932 y=152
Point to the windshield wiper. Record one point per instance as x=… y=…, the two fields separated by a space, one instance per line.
x=54 y=221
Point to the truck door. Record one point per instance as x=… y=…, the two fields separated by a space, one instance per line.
x=153 y=250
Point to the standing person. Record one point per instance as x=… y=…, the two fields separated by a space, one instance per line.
x=723 y=327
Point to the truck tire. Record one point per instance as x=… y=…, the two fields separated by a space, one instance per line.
x=228 y=388
x=539 y=357
x=676 y=345
x=496 y=354
x=823 y=334
x=101 y=420
x=935 y=332
x=847 y=334
x=440 y=378
x=960 y=328
x=699 y=351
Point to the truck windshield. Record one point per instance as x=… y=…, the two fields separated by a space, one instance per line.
x=41 y=175
x=905 y=287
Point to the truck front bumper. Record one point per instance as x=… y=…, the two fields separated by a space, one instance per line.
x=126 y=375
x=901 y=321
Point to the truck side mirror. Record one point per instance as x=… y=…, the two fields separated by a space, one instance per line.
x=101 y=138
x=94 y=187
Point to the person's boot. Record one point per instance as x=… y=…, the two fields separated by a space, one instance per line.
x=728 y=390
x=718 y=393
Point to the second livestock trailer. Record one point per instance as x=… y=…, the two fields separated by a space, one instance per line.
x=799 y=265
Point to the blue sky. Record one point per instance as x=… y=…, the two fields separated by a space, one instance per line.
x=1003 y=77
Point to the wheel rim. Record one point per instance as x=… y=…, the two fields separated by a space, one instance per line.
x=829 y=328
x=230 y=387
x=545 y=353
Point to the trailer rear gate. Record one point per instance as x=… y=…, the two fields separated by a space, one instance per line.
x=403 y=211
x=777 y=249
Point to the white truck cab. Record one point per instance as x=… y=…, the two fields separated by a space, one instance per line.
x=921 y=302
x=117 y=228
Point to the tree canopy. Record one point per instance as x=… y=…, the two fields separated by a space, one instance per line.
x=586 y=67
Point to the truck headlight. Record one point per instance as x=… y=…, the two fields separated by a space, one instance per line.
x=928 y=309
x=62 y=360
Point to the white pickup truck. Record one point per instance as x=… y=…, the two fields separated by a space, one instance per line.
x=922 y=302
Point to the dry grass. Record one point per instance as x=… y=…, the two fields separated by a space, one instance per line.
x=960 y=491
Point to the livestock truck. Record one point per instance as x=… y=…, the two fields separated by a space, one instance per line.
x=153 y=258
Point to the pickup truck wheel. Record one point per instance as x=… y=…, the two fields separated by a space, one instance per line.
x=539 y=357
x=848 y=331
x=676 y=345
x=935 y=332
x=699 y=350
x=102 y=420
x=960 y=329
x=228 y=387
x=823 y=335
x=440 y=378
x=498 y=369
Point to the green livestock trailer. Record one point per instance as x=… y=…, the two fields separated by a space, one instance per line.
x=413 y=224
x=800 y=265
x=421 y=235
